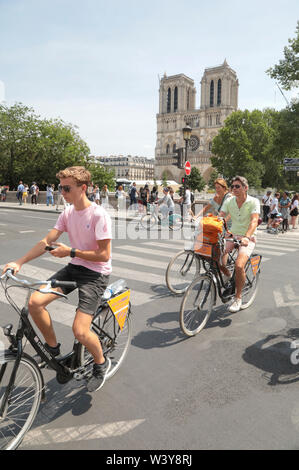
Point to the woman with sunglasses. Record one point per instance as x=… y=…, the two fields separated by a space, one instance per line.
x=244 y=211
x=221 y=194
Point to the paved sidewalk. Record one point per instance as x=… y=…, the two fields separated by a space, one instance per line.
x=52 y=209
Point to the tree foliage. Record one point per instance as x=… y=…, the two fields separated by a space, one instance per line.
x=35 y=149
x=286 y=72
x=195 y=180
x=101 y=175
x=244 y=145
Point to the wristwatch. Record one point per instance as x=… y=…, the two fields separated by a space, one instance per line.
x=73 y=253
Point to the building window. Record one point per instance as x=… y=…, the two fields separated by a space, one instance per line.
x=173 y=148
x=219 y=92
x=212 y=94
x=167 y=148
x=175 y=106
x=217 y=119
x=168 y=100
x=210 y=146
x=188 y=99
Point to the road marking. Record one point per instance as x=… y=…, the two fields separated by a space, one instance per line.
x=142 y=250
x=292 y=300
x=45 y=435
x=44 y=218
x=26 y=231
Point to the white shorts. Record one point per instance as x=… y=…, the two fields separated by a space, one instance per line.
x=246 y=250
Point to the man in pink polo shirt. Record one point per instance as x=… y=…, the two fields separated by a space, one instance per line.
x=89 y=229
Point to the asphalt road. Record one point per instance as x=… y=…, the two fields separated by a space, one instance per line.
x=231 y=387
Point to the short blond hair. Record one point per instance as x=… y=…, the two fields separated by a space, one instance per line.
x=78 y=173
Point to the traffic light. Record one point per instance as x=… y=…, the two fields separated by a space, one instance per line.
x=180 y=157
x=184 y=179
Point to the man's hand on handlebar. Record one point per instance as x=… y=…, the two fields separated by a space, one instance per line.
x=14 y=266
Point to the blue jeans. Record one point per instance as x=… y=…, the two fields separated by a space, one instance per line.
x=50 y=199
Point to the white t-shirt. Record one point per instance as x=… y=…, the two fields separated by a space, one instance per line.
x=187 y=197
x=295 y=204
x=267 y=200
x=84 y=228
x=275 y=204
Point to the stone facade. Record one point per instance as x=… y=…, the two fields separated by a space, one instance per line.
x=131 y=168
x=177 y=107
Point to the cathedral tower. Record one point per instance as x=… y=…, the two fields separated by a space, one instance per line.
x=177 y=107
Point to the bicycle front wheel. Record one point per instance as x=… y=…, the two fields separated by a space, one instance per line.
x=251 y=286
x=181 y=271
x=197 y=305
x=114 y=340
x=23 y=401
x=148 y=221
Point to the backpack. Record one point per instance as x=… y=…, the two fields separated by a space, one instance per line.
x=31 y=190
x=192 y=198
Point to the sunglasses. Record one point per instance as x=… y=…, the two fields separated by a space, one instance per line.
x=237 y=186
x=66 y=188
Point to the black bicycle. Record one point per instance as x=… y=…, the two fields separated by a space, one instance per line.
x=21 y=381
x=201 y=295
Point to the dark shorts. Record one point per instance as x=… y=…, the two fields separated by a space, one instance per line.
x=91 y=286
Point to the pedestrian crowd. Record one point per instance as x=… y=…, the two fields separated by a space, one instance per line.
x=280 y=210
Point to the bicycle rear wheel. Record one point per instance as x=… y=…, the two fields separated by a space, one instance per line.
x=181 y=271
x=148 y=221
x=175 y=222
x=251 y=286
x=23 y=403
x=197 y=305
x=114 y=340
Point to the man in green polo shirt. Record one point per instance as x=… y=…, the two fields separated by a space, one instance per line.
x=244 y=211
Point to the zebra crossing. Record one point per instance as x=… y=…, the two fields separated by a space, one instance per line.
x=143 y=266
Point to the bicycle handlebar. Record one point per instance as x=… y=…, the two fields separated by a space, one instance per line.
x=50 y=283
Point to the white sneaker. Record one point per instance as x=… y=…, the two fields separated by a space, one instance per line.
x=235 y=306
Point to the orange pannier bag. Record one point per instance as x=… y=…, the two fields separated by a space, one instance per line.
x=209 y=228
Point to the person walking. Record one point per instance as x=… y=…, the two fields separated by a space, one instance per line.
x=266 y=201
x=294 y=210
x=105 y=196
x=97 y=198
x=60 y=198
x=34 y=192
x=121 y=198
x=49 y=195
x=20 y=191
x=133 y=197
x=284 y=204
x=25 y=193
x=273 y=210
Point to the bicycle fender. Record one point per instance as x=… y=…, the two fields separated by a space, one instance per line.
x=214 y=280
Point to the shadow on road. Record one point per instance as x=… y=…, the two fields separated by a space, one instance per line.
x=273 y=356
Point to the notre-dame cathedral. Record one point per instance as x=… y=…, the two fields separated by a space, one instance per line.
x=177 y=107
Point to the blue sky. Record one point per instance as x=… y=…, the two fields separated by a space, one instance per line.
x=96 y=63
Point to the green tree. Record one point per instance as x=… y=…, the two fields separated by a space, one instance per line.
x=286 y=72
x=101 y=175
x=195 y=180
x=243 y=146
x=35 y=149
x=213 y=177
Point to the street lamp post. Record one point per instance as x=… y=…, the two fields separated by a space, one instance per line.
x=186 y=135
